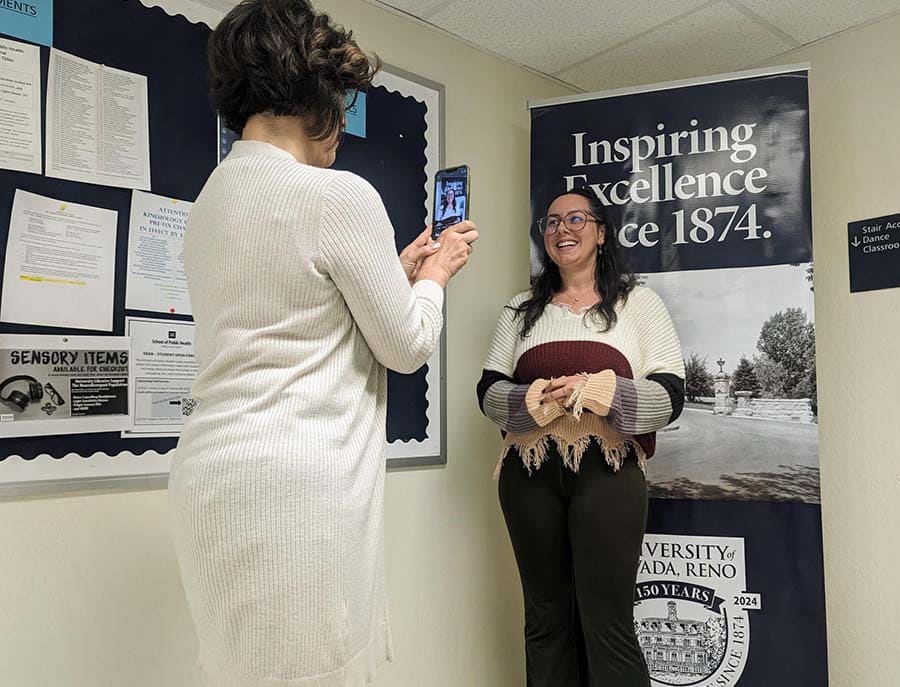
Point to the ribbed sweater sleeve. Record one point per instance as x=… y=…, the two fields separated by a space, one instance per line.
x=401 y=324
x=655 y=397
x=513 y=407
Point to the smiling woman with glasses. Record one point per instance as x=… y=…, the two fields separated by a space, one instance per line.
x=583 y=370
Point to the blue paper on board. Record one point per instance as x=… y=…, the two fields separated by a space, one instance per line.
x=356 y=114
x=31 y=21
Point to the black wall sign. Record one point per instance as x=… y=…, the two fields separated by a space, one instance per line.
x=874 y=253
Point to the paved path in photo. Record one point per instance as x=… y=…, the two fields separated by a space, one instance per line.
x=720 y=457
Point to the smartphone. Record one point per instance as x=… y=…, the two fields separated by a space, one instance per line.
x=452 y=198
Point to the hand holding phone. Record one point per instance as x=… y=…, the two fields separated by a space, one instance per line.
x=412 y=256
x=455 y=248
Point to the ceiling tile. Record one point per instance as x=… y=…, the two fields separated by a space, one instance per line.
x=809 y=21
x=550 y=36
x=417 y=8
x=716 y=39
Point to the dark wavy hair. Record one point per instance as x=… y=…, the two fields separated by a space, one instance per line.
x=281 y=57
x=614 y=279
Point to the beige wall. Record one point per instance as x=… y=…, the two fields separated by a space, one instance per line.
x=91 y=594
x=855 y=118
x=90 y=590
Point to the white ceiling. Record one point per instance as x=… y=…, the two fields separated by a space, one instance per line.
x=602 y=44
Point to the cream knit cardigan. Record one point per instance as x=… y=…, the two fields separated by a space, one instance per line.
x=277 y=485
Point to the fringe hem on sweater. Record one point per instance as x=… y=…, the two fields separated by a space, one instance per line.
x=572 y=439
x=358 y=672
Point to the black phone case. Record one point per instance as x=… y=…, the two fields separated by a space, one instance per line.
x=434 y=232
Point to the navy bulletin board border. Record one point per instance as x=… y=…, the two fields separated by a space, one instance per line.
x=171 y=51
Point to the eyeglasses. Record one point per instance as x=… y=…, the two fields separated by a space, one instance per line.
x=576 y=220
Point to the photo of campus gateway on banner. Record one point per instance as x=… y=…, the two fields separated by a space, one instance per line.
x=749 y=429
x=708 y=191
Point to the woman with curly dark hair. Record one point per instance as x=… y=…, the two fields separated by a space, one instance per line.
x=583 y=370
x=300 y=303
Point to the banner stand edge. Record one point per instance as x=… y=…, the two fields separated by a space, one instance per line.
x=667 y=85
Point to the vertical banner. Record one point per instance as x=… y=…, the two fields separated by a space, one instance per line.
x=707 y=185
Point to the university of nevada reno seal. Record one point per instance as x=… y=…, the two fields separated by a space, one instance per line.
x=691 y=610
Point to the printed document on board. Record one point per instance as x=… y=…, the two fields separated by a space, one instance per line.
x=51 y=385
x=20 y=107
x=98 y=129
x=156 y=278
x=60 y=264
x=163 y=368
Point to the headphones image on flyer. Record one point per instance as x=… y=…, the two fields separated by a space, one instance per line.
x=18 y=400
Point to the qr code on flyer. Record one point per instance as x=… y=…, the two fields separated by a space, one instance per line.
x=188 y=405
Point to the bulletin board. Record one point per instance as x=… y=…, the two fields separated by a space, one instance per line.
x=399 y=154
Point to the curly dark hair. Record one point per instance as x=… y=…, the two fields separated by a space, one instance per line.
x=283 y=58
x=614 y=279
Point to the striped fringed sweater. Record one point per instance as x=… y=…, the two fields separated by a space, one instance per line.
x=633 y=381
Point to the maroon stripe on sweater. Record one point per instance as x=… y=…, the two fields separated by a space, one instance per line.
x=563 y=358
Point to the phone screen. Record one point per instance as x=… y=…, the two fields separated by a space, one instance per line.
x=451 y=196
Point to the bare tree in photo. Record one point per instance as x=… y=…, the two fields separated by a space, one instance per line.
x=810 y=273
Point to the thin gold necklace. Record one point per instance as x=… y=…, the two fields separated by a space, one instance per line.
x=576 y=299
